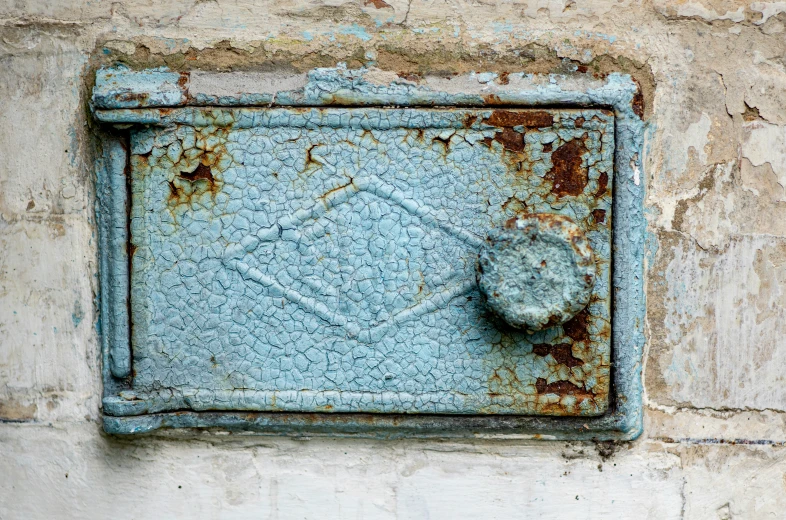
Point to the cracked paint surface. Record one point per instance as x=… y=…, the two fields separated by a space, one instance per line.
x=538 y=271
x=324 y=260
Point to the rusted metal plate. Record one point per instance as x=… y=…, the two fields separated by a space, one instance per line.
x=324 y=259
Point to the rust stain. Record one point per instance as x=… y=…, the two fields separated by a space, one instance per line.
x=470 y=120
x=331 y=191
x=445 y=141
x=567 y=174
x=133 y=96
x=562 y=388
x=503 y=78
x=547 y=147
x=509 y=139
x=187 y=185
x=638 y=100
x=579 y=122
x=603 y=184
x=309 y=159
x=378 y=4
x=562 y=353
x=515 y=205
x=599 y=215
x=576 y=327
x=409 y=76
x=202 y=172
x=525 y=118
x=182 y=81
x=174 y=192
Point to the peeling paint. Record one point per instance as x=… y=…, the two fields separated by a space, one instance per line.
x=345 y=87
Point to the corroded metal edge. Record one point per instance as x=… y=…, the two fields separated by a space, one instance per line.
x=385 y=426
x=119 y=90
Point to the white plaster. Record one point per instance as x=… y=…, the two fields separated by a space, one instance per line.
x=695 y=138
x=768 y=10
x=691 y=9
x=234 y=83
x=269 y=478
x=728 y=317
x=766 y=143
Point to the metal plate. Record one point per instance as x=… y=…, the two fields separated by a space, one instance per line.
x=323 y=259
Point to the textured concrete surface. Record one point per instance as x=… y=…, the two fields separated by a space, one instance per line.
x=713 y=73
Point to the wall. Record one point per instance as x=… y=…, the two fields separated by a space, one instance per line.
x=714 y=75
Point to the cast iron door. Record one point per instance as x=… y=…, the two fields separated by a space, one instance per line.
x=326 y=260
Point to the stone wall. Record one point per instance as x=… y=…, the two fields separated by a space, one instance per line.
x=713 y=74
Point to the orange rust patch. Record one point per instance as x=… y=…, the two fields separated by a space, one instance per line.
x=201 y=172
x=576 y=327
x=599 y=215
x=562 y=353
x=470 y=120
x=579 y=122
x=567 y=174
x=562 y=388
x=182 y=81
x=525 y=118
x=509 y=139
x=409 y=76
x=174 y=193
x=189 y=184
x=638 y=100
x=603 y=184
x=378 y=4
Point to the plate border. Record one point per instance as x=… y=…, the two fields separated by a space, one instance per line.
x=122 y=98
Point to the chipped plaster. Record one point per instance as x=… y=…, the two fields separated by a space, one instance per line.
x=714 y=420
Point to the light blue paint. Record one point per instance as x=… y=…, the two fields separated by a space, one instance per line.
x=296 y=279
x=602 y=36
x=355 y=30
x=331 y=86
x=111 y=212
x=127 y=89
x=537 y=271
x=499 y=27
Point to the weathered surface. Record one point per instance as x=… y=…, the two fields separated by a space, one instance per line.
x=537 y=271
x=324 y=260
x=712 y=79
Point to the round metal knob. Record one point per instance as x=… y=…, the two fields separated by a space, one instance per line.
x=537 y=272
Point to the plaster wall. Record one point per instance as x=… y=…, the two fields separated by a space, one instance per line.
x=713 y=74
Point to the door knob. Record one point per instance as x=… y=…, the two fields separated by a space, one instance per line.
x=537 y=271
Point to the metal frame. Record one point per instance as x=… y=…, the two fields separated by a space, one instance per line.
x=122 y=97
